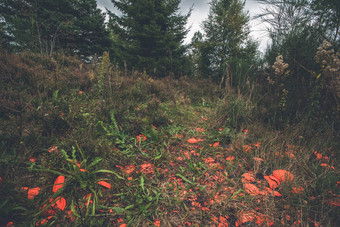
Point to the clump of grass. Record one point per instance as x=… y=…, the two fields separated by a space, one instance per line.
x=234 y=111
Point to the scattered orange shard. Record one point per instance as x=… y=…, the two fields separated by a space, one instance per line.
x=248 y=177
x=129 y=169
x=53 y=149
x=61 y=203
x=31 y=192
x=104 y=184
x=216 y=144
x=247 y=148
x=230 y=158
x=335 y=202
x=147 y=168
x=141 y=137
x=298 y=190
x=318 y=156
x=192 y=140
x=251 y=189
x=58 y=183
x=157 y=222
x=245 y=217
x=283 y=175
x=199 y=130
x=272 y=181
x=258 y=159
x=209 y=160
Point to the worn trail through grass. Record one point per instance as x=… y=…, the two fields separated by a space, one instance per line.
x=213 y=178
x=200 y=175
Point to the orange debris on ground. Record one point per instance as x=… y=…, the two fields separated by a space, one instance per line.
x=298 y=190
x=147 y=168
x=61 y=203
x=31 y=192
x=129 y=169
x=104 y=184
x=272 y=181
x=141 y=137
x=251 y=189
x=192 y=140
x=283 y=175
x=58 y=184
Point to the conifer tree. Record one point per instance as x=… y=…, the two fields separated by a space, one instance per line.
x=76 y=26
x=226 y=30
x=151 y=33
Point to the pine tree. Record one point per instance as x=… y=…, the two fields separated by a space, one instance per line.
x=226 y=30
x=199 y=55
x=76 y=26
x=151 y=33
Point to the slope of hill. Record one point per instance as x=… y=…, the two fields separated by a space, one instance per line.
x=91 y=145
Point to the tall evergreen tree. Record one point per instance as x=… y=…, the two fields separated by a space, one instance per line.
x=47 y=25
x=151 y=33
x=226 y=29
x=199 y=55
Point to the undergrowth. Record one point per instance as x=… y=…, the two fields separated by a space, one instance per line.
x=91 y=145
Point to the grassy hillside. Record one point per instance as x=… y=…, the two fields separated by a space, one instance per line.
x=92 y=145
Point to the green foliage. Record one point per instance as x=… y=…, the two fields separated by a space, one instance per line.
x=75 y=26
x=151 y=35
x=226 y=30
x=81 y=189
x=226 y=54
x=298 y=28
x=103 y=71
x=234 y=112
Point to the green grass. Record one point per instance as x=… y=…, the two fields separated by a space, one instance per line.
x=130 y=133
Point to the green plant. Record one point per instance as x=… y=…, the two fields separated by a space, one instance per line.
x=122 y=140
x=80 y=186
x=234 y=111
x=103 y=71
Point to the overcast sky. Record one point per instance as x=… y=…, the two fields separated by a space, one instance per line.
x=200 y=12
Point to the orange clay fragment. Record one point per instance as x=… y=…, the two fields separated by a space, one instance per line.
x=129 y=169
x=199 y=130
x=230 y=158
x=61 y=203
x=216 y=144
x=157 y=223
x=248 y=177
x=31 y=192
x=245 y=217
x=272 y=181
x=297 y=190
x=147 y=168
x=58 y=183
x=283 y=175
x=192 y=140
x=258 y=159
x=251 y=189
x=104 y=184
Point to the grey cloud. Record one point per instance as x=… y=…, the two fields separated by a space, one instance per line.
x=198 y=4
x=102 y=4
